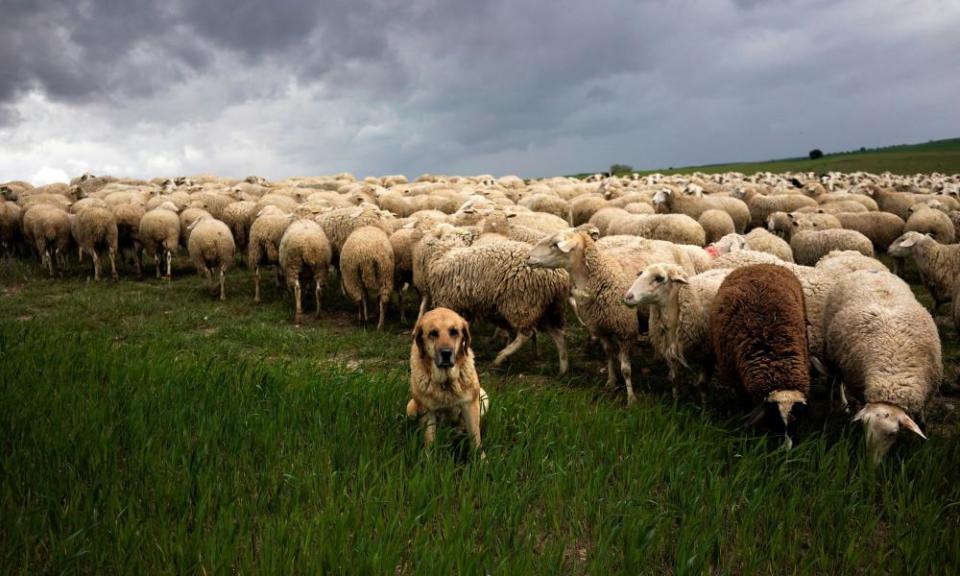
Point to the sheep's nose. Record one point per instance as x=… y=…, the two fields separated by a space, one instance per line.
x=628 y=298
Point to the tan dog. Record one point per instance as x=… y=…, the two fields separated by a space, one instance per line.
x=443 y=381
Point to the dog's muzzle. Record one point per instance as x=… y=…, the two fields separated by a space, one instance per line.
x=444 y=358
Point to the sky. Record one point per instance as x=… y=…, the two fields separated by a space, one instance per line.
x=140 y=88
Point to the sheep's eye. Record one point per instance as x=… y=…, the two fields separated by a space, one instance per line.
x=434 y=333
x=658 y=278
x=453 y=332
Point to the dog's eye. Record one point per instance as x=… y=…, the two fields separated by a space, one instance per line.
x=453 y=332
x=434 y=333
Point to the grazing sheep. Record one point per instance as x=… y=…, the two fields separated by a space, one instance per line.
x=9 y=225
x=239 y=216
x=264 y=242
x=716 y=224
x=493 y=281
x=583 y=207
x=845 y=197
x=761 y=207
x=759 y=336
x=927 y=220
x=339 y=223
x=599 y=282
x=95 y=230
x=160 y=229
x=128 y=232
x=402 y=242
x=694 y=206
x=187 y=217
x=811 y=245
x=679 y=318
x=882 y=228
x=937 y=263
x=761 y=240
x=366 y=267
x=786 y=225
x=47 y=229
x=211 y=247
x=676 y=228
x=305 y=252
x=898 y=203
x=548 y=204
x=893 y=363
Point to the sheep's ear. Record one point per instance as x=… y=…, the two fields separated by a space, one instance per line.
x=907 y=242
x=512 y=215
x=908 y=423
x=818 y=366
x=861 y=415
x=356 y=213
x=566 y=246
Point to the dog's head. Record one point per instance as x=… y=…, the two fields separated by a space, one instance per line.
x=443 y=337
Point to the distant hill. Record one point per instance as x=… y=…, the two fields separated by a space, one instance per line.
x=934 y=156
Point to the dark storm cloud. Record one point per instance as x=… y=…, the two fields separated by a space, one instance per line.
x=525 y=86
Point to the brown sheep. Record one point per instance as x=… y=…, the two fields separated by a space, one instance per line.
x=759 y=333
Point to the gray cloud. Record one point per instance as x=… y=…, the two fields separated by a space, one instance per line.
x=534 y=87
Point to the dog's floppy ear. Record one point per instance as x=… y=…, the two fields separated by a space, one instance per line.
x=465 y=345
x=418 y=339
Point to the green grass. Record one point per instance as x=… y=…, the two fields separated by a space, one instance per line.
x=935 y=156
x=147 y=428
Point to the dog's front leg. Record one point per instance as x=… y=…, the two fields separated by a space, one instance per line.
x=471 y=417
x=429 y=428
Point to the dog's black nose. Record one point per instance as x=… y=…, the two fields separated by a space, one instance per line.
x=444 y=357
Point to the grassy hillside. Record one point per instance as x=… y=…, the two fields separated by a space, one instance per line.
x=936 y=156
x=147 y=428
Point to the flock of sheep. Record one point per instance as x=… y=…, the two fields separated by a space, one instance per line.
x=675 y=259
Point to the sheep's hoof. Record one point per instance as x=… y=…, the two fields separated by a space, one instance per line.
x=631 y=400
x=298 y=319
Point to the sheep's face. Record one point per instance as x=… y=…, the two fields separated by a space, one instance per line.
x=881 y=425
x=555 y=251
x=903 y=246
x=732 y=242
x=662 y=196
x=654 y=284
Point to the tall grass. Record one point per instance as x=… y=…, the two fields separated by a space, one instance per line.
x=147 y=428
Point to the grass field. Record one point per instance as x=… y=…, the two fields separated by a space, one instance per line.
x=147 y=428
x=935 y=156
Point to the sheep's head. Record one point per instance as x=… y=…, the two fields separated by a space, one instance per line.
x=779 y=222
x=662 y=196
x=903 y=246
x=780 y=410
x=881 y=424
x=168 y=206
x=557 y=250
x=732 y=242
x=694 y=190
x=654 y=284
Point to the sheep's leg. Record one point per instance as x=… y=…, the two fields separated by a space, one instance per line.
x=156 y=263
x=317 y=294
x=403 y=315
x=277 y=274
x=96 y=265
x=611 y=363
x=363 y=305
x=298 y=315
x=423 y=308
x=703 y=379
x=223 y=283
x=512 y=347
x=383 y=311
x=898 y=267
x=49 y=258
x=674 y=381
x=626 y=369
x=113 y=265
x=559 y=340
x=169 y=263
x=138 y=260
x=843 y=399
x=256 y=285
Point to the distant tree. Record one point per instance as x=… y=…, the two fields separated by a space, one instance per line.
x=863 y=148
x=620 y=168
x=816 y=153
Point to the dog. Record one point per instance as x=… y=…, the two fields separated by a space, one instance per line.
x=444 y=385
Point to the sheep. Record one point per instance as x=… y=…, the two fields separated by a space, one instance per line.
x=676 y=228
x=759 y=337
x=493 y=281
x=95 y=229
x=927 y=220
x=339 y=223
x=886 y=349
x=128 y=218
x=9 y=225
x=838 y=207
x=583 y=207
x=842 y=262
x=47 y=229
x=239 y=216
x=599 y=282
x=811 y=245
x=694 y=206
x=367 y=266
x=264 y=242
x=898 y=203
x=160 y=229
x=787 y=224
x=761 y=207
x=831 y=197
x=211 y=247
x=937 y=263
x=304 y=251
x=716 y=224
x=679 y=307
x=761 y=240
x=187 y=217
x=881 y=228
x=548 y=204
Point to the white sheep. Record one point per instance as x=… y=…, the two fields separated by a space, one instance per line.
x=887 y=351
x=94 y=230
x=366 y=268
x=811 y=245
x=160 y=231
x=938 y=264
x=211 y=247
x=305 y=252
